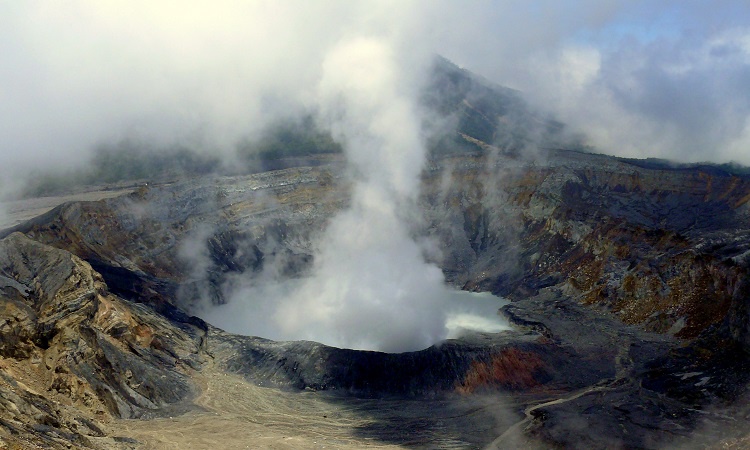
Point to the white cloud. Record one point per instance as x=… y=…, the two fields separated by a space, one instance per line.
x=667 y=98
x=83 y=72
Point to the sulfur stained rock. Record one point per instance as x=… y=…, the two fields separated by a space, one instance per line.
x=510 y=368
x=614 y=267
x=72 y=350
x=664 y=248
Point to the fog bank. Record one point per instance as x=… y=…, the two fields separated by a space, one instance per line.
x=370 y=286
x=665 y=79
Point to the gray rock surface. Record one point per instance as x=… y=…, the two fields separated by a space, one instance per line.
x=73 y=354
x=625 y=279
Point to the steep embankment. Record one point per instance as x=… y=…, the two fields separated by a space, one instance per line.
x=74 y=355
x=574 y=239
x=663 y=248
x=651 y=245
x=189 y=234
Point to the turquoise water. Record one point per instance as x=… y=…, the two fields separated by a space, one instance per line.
x=474 y=311
x=253 y=311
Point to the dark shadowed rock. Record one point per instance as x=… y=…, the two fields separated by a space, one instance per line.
x=75 y=354
x=625 y=279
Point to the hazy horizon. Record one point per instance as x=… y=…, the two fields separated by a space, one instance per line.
x=640 y=79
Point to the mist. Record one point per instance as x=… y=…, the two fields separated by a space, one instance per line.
x=370 y=286
x=370 y=282
x=666 y=79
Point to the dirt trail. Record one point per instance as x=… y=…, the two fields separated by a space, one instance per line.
x=512 y=434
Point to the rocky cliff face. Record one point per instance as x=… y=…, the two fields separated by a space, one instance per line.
x=74 y=354
x=666 y=249
x=648 y=244
x=653 y=261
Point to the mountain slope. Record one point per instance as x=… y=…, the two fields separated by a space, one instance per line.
x=74 y=355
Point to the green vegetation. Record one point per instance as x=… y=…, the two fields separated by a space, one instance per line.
x=291 y=138
x=280 y=143
x=126 y=161
x=123 y=161
x=464 y=103
x=455 y=144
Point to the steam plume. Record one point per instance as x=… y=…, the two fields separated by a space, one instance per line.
x=370 y=286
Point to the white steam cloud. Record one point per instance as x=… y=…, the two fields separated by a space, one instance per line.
x=370 y=286
x=664 y=98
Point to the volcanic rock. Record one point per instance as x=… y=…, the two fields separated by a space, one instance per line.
x=629 y=281
x=74 y=354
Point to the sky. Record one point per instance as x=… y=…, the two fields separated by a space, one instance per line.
x=641 y=78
